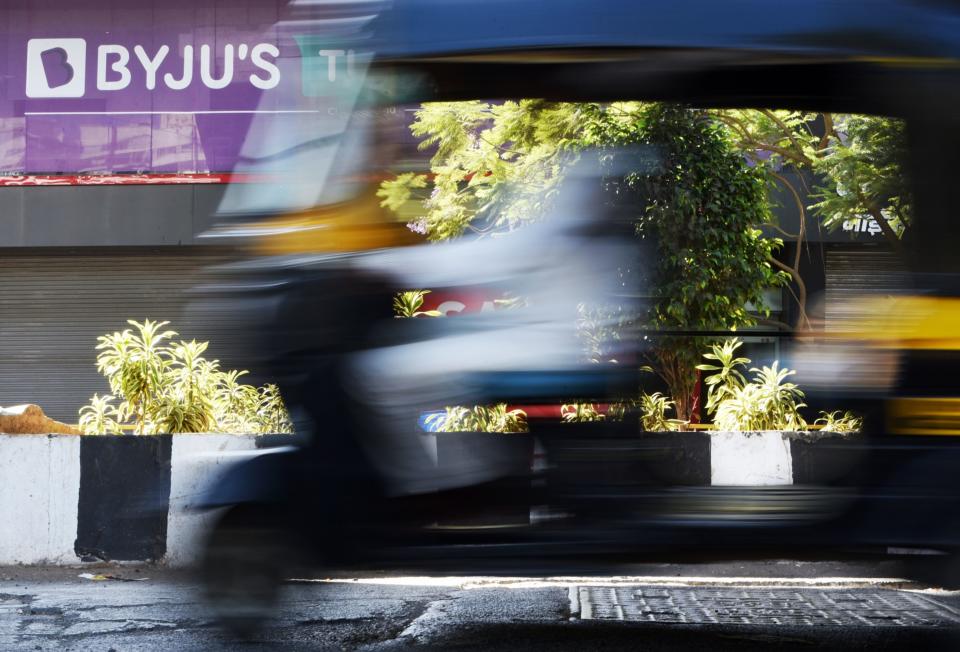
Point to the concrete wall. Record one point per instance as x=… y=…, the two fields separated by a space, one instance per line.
x=124 y=497
x=39 y=496
x=68 y=498
x=107 y=215
x=196 y=460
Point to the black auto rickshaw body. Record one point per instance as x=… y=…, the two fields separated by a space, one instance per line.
x=305 y=307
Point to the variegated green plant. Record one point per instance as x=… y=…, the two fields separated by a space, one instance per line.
x=170 y=387
x=479 y=418
x=135 y=363
x=726 y=378
x=653 y=413
x=100 y=417
x=408 y=304
x=844 y=424
x=768 y=402
x=581 y=412
x=272 y=415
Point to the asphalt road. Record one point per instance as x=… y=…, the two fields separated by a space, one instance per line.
x=731 y=606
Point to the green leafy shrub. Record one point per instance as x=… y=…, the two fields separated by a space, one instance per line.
x=135 y=364
x=581 y=412
x=408 y=304
x=271 y=413
x=479 y=418
x=185 y=403
x=100 y=416
x=160 y=385
x=727 y=379
x=767 y=402
x=653 y=413
x=844 y=424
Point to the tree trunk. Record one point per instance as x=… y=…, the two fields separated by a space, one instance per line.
x=676 y=363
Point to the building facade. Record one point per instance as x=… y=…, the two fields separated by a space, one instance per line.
x=122 y=126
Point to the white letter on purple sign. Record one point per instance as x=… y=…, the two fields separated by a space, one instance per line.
x=183 y=82
x=151 y=66
x=256 y=56
x=119 y=66
x=206 y=67
x=331 y=56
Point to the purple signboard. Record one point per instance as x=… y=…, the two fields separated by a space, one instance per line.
x=165 y=86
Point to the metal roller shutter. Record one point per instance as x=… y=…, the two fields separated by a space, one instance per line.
x=54 y=305
x=853 y=273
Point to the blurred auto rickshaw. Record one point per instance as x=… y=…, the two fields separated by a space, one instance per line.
x=311 y=305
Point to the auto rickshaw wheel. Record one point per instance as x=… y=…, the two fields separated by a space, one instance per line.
x=243 y=570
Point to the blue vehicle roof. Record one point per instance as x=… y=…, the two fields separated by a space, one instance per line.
x=828 y=28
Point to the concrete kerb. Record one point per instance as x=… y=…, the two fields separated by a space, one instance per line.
x=68 y=499
x=195 y=460
x=39 y=498
x=60 y=505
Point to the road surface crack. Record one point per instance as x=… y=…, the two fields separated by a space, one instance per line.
x=427 y=622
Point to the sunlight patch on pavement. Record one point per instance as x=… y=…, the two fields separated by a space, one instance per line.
x=480 y=582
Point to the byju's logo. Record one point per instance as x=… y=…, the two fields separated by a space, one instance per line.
x=56 y=67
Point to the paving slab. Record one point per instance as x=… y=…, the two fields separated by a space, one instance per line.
x=762 y=606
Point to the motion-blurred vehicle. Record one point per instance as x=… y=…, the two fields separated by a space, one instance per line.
x=365 y=488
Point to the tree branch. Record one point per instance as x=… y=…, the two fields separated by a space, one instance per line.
x=827 y=132
x=737 y=126
x=776 y=322
x=881 y=221
x=803 y=214
x=750 y=141
x=777 y=228
x=800 y=296
x=789 y=133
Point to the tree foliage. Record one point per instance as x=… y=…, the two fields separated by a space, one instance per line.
x=498 y=166
x=859 y=162
x=704 y=206
x=857 y=165
x=495 y=166
x=864 y=173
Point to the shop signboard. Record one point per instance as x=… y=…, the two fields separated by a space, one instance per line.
x=156 y=86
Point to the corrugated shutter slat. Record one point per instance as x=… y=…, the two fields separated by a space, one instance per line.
x=53 y=307
x=854 y=273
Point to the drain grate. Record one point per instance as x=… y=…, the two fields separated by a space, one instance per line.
x=749 y=606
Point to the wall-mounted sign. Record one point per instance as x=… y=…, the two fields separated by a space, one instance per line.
x=164 y=86
x=56 y=67
x=866 y=225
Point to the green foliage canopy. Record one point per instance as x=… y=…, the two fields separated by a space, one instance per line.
x=498 y=166
x=863 y=173
x=859 y=162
